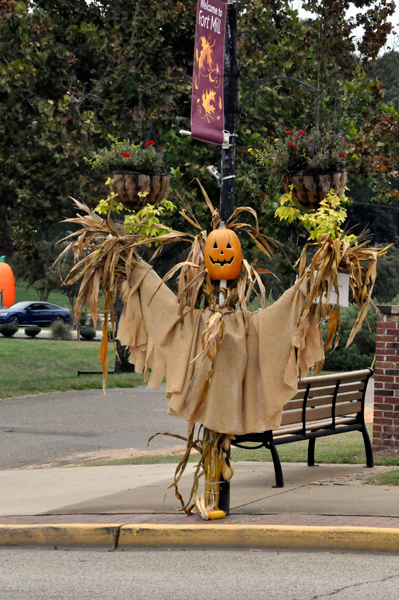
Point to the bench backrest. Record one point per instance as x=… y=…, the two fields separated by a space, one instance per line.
x=327 y=396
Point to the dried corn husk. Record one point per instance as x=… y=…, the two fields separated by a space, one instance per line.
x=214 y=463
x=334 y=255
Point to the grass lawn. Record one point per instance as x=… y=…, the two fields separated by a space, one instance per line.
x=391 y=478
x=39 y=366
x=22 y=294
x=346 y=448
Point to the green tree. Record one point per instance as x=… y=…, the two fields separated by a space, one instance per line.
x=72 y=73
x=386 y=70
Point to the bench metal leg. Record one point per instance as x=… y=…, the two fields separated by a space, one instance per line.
x=311 y=447
x=368 y=448
x=224 y=496
x=277 y=464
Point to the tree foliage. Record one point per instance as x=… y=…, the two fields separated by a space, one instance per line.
x=74 y=72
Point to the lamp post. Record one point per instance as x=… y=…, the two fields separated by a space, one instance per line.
x=230 y=85
x=228 y=166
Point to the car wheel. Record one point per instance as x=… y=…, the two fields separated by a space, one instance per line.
x=59 y=320
x=13 y=320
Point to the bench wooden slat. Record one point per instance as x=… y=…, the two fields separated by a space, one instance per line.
x=295 y=404
x=362 y=375
x=316 y=391
x=323 y=412
x=312 y=426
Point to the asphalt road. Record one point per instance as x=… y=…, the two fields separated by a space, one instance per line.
x=74 y=427
x=198 y=575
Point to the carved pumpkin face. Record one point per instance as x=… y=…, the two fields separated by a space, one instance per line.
x=223 y=255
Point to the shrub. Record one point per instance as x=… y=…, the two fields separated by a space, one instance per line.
x=90 y=323
x=32 y=331
x=8 y=329
x=360 y=353
x=87 y=334
x=82 y=319
x=60 y=331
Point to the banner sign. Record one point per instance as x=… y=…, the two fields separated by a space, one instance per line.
x=207 y=108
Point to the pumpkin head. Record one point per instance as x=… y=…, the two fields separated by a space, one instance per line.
x=223 y=254
x=7 y=283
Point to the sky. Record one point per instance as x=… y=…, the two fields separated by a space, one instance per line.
x=392 y=41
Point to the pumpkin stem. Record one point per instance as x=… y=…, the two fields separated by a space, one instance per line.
x=222 y=225
x=2 y=259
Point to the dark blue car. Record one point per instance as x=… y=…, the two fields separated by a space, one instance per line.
x=34 y=313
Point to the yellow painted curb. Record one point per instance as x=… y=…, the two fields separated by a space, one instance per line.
x=59 y=535
x=369 y=539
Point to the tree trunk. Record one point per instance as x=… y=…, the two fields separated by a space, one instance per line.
x=122 y=364
x=72 y=310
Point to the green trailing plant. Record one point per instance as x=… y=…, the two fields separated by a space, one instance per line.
x=126 y=156
x=145 y=223
x=327 y=219
x=32 y=331
x=8 y=330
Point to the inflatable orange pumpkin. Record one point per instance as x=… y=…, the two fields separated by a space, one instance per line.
x=7 y=284
x=223 y=254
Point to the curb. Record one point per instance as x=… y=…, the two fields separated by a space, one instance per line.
x=366 y=539
x=59 y=535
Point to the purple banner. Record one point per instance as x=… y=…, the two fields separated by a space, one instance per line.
x=207 y=107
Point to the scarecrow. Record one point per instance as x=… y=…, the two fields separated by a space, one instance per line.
x=229 y=370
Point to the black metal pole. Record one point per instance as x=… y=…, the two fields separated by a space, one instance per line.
x=230 y=92
x=227 y=189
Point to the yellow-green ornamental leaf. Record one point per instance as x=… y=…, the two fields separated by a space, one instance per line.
x=287 y=213
x=325 y=220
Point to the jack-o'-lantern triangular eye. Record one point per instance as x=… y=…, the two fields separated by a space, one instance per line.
x=229 y=246
x=215 y=246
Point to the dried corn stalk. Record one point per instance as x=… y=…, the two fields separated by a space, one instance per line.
x=214 y=463
x=334 y=255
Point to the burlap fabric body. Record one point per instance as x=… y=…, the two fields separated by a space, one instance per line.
x=254 y=375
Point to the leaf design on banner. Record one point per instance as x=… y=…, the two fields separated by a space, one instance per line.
x=207 y=98
x=206 y=55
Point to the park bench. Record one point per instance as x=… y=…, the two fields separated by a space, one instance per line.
x=324 y=405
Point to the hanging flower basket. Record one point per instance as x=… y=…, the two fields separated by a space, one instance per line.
x=309 y=189
x=128 y=185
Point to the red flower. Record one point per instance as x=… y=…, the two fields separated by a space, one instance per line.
x=342 y=154
x=116 y=153
x=162 y=147
x=301 y=132
x=150 y=143
x=126 y=155
x=293 y=137
x=291 y=145
x=288 y=132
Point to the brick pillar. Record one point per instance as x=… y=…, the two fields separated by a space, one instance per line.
x=386 y=381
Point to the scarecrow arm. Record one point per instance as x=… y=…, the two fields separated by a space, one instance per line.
x=150 y=312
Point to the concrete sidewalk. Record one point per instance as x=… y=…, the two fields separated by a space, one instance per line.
x=95 y=505
x=329 y=490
